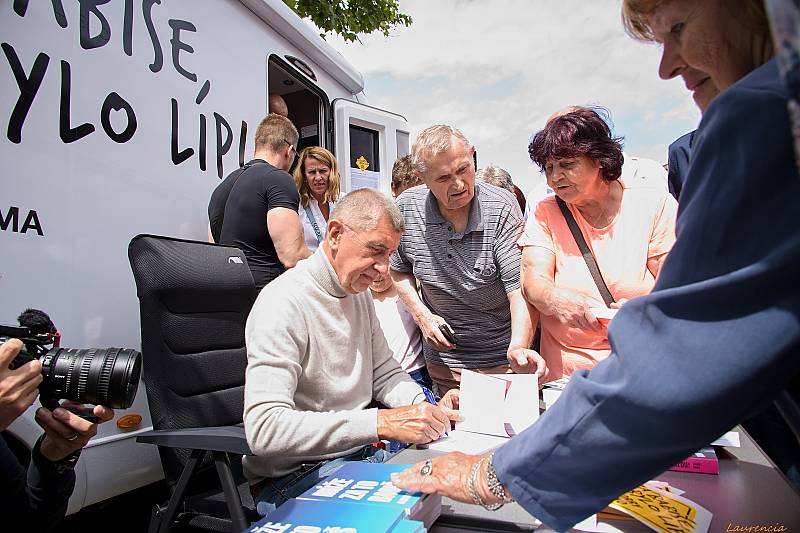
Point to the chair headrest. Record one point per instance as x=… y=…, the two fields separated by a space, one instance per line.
x=191 y=276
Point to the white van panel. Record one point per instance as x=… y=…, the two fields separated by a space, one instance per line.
x=387 y=124
x=286 y=23
x=80 y=180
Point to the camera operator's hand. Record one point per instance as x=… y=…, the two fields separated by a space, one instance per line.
x=65 y=431
x=18 y=388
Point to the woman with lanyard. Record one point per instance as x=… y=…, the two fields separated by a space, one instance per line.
x=317 y=178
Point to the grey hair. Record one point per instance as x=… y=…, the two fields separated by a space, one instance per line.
x=494 y=175
x=432 y=141
x=363 y=209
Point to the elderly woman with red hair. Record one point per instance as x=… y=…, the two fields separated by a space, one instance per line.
x=629 y=231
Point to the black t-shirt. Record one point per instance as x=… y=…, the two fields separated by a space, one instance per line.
x=242 y=201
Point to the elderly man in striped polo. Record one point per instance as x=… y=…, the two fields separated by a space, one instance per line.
x=460 y=245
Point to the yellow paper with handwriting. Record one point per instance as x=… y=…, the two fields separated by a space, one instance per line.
x=662 y=511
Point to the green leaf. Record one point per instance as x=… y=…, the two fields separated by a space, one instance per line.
x=351 y=18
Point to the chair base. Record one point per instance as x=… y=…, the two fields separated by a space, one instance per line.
x=163 y=518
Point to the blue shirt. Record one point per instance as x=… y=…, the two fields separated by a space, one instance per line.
x=678 y=163
x=714 y=342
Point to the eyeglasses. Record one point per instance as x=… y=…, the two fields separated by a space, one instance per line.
x=375 y=250
x=294 y=158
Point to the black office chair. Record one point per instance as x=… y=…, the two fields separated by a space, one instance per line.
x=194 y=300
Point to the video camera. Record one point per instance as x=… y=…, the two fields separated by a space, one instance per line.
x=100 y=376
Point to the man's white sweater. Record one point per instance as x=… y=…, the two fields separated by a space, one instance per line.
x=316 y=357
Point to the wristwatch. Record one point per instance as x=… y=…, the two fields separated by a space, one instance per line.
x=495 y=486
x=62 y=466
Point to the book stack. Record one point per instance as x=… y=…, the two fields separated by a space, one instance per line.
x=701 y=462
x=660 y=507
x=359 y=497
x=296 y=515
x=370 y=484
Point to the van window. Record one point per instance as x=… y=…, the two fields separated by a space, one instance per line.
x=402 y=143
x=364 y=151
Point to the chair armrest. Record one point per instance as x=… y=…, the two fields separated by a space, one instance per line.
x=220 y=439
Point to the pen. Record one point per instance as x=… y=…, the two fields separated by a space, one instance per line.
x=430 y=399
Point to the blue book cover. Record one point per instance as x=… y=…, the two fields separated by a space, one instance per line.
x=409 y=526
x=366 y=484
x=340 y=517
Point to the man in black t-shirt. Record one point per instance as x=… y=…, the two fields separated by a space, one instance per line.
x=255 y=207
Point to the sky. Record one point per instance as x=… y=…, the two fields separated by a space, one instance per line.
x=496 y=69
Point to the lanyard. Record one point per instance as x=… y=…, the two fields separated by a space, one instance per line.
x=313 y=221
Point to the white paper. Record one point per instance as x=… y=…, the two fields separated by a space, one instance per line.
x=364 y=179
x=603 y=313
x=498 y=404
x=467 y=442
x=522 y=401
x=559 y=384
x=481 y=399
x=730 y=438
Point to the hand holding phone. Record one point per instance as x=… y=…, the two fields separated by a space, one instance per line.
x=448 y=333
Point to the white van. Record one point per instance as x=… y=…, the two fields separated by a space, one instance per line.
x=121 y=118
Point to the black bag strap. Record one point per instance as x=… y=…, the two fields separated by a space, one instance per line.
x=222 y=219
x=586 y=252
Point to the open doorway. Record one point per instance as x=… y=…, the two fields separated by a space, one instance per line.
x=307 y=104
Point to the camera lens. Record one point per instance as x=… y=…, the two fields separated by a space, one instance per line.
x=102 y=376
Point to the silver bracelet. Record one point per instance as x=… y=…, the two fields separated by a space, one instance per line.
x=495 y=486
x=473 y=491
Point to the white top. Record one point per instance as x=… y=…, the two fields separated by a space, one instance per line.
x=402 y=333
x=308 y=228
x=316 y=358
x=639 y=171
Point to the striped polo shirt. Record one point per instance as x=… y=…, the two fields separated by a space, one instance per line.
x=465 y=277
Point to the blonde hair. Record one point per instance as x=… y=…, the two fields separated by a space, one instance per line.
x=635 y=12
x=334 y=180
x=402 y=173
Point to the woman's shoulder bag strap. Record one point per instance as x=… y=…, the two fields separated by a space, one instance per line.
x=586 y=252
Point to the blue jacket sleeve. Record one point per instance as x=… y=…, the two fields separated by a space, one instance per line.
x=717 y=339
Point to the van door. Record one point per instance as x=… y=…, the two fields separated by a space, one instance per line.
x=367 y=141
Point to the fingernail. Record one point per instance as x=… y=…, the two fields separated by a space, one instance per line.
x=395 y=477
x=60 y=413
